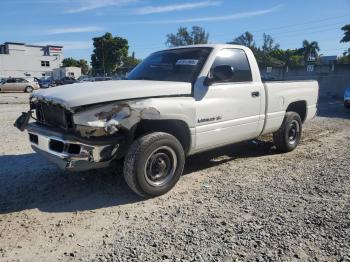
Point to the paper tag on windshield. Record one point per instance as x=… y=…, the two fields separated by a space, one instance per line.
x=191 y=62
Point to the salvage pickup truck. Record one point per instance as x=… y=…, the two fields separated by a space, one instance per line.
x=176 y=103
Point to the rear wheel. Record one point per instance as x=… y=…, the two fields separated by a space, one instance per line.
x=154 y=164
x=347 y=104
x=28 y=89
x=288 y=136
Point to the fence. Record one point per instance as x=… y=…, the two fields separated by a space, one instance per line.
x=332 y=79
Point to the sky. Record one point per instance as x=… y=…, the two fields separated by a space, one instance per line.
x=145 y=23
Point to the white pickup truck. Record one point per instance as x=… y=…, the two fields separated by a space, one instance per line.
x=176 y=103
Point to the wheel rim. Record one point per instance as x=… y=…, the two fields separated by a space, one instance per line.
x=293 y=132
x=160 y=166
x=29 y=89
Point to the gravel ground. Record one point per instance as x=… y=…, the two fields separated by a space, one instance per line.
x=240 y=203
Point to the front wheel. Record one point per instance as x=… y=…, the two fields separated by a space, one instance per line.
x=28 y=89
x=154 y=164
x=288 y=136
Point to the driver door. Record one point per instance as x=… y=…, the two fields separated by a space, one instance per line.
x=229 y=110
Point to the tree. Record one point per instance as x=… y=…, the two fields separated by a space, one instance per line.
x=309 y=49
x=197 y=36
x=269 y=44
x=344 y=60
x=131 y=61
x=346 y=37
x=245 y=39
x=108 y=53
x=290 y=58
x=68 y=62
x=82 y=63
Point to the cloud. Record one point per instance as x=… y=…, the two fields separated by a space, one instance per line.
x=177 y=7
x=211 y=18
x=88 y=5
x=68 y=45
x=68 y=30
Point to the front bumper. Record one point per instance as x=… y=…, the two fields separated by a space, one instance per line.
x=347 y=101
x=70 y=152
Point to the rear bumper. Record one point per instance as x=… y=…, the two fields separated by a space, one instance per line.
x=69 y=152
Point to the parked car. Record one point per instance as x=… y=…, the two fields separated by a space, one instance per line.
x=18 y=84
x=176 y=103
x=102 y=78
x=46 y=83
x=96 y=79
x=66 y=81
x=83 y=78
x=347 y=97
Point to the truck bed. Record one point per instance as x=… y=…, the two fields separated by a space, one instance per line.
x=280 y=94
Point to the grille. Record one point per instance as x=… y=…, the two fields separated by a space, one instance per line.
x=53 y=115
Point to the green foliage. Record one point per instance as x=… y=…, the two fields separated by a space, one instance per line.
x=82 y=63
x=184 y=37
x=109 y=53
x=69 y=62
x=131 y=61
x=296 y=60
x=309 y=49
x=245 y=39
x=269 y=54
x=269 y=44
x=346 y=37
x=344 y=60
x=290 y=58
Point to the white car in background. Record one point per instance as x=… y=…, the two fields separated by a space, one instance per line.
x=347 y=97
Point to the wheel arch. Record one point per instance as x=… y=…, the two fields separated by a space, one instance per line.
x=299 y=107
x=178 y=128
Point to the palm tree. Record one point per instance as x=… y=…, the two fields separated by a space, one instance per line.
x=309 y=49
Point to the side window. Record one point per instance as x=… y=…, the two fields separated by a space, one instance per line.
x=237 y=59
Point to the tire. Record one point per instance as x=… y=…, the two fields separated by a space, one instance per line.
x=347 y=105
x=28 y=89
x=288 y=136
x=154 y=164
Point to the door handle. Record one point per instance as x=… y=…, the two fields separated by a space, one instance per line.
x=255 y=94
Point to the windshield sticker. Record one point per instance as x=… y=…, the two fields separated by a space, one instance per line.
x=191 y=62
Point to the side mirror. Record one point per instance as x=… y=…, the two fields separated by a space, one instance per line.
x=222 y=73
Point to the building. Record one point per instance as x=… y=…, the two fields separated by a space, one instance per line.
x=59 y=73
x=21 y=60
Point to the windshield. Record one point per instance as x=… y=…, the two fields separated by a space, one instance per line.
x=180 y=65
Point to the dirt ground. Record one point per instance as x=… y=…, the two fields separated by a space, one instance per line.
x=242 y=202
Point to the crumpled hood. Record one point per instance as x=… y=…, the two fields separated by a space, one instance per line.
x=87 y=93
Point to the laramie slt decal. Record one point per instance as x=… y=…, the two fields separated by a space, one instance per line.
x=216 y=118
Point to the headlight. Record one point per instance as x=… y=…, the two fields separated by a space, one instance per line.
x=88 y=131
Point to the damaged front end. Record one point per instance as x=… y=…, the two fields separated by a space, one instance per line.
x=112 y=118
x=85 y=137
